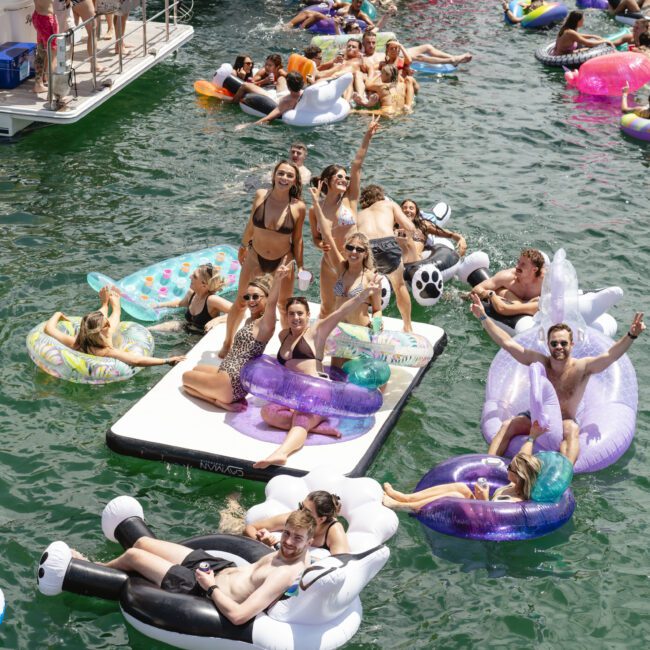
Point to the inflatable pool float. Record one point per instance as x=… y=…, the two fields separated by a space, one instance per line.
x=369 y=373
x=606 y=414
x=326 y=25
x=167 y=280
x=264 y=377
x=369 y=522
x=593 y=305
x=636 y=127
x=545 y=55
x=498 y=521
x=629 y=17
x=602 y=5
x=432 y=68
x=544 y=16
x=606 y=75
x=321 y=611
x=321 y=103
x=395 y=348
x=209 y=89
x=64 y=363
x=299 y=63
x=330 y=45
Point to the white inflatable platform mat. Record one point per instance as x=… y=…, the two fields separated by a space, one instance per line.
x=168 y=425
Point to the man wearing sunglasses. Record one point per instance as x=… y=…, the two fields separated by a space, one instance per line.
x=568 y=375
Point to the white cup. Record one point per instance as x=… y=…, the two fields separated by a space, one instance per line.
x=304 y=280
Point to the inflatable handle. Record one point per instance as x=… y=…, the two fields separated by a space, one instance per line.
x=554 y=478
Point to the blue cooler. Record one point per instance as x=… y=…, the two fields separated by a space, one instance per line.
x=16 y=63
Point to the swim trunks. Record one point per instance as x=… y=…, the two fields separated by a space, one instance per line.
x=45 y=26
x=180 y=578
x=387 y=254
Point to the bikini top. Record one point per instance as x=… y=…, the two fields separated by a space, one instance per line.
x=344 y=216
x=302 y=350
x=339 y=289
x=259 y=218
x=324 y=544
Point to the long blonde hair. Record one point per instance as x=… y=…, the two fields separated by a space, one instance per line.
x=526 y=468
x=90 y=333
x=369 y=259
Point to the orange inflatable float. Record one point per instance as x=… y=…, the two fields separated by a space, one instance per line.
x=208 y=89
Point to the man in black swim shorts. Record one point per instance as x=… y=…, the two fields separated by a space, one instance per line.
x=376 y=220
x=238 y=592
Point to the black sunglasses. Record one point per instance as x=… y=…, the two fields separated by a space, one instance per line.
x=357 y=249
x=251 y=296
x=554 y=344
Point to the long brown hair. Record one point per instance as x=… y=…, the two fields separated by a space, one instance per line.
x=296 y=189
x=90 y=333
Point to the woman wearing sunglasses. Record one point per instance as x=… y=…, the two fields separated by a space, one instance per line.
x=324 y=507
x=204 y=308
x=301 y=350
x=339 y=207
x=243 y=67
x=522 y=474
x=354 y=268
x=222 y=386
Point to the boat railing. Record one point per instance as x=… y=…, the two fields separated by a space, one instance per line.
x=170 y=12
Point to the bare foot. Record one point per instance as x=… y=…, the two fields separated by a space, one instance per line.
x=275 y=458
x=78 y=556
x=40 y=88
x=395 y=505
x=408 y=330
x=464 y=58
x=108 y=36
x=326 y=429
x=391 y=492
x=99 y=68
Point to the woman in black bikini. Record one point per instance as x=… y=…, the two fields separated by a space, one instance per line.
x=204 y=308
x=324 y=507
x=273 y=233
x=221 y=385
x=301 y=350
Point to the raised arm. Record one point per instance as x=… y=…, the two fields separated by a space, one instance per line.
x=266 y=326
x=625 y=106
x=594 y=365
x=52 y=330
x=296 y=237
x=354 y=188
x=503 y=340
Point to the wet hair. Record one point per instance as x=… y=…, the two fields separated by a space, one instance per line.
x=367 y=33
x=275 y=59
x=571 y=21
x=325 y=504
x=393 y=72
x=370 y=195
x=559 y=327
x=312 y=52
x=535 y=257
x=296 y=189
x=298 y=145
x=297 y=300
x=211 y=276
x=353 y=40
x=263 y=282
x=369 y=259
x=90 y=332
x=295 y=82
x=526 y=468
x=326 y=176
x=418 y=220
x=302 y=519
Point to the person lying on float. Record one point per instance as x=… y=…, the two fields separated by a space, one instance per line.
x=515 y=291
x=239 y=592
x=568 y=375
x=286 y=103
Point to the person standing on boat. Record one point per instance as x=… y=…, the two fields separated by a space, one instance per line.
x=45 y=24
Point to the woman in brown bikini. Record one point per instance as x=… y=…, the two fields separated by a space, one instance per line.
x=273 y=233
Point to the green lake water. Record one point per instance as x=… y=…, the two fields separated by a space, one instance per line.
x=522 y=160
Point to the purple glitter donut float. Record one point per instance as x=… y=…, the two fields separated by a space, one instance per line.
x=326 y=25
x=497 y=521
x=264 y=377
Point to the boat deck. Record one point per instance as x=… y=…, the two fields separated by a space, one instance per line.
x=21 y=105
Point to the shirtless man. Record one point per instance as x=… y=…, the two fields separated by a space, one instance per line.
x=394 y=95
x=285 y=103
x=569 y=376
x=238 y=592
x=297 y=155
x=515 y=291
x=375 y=221
x=352 y=62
